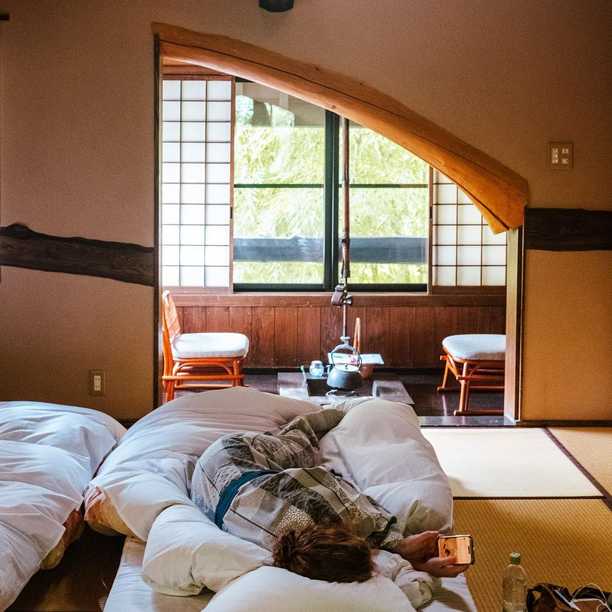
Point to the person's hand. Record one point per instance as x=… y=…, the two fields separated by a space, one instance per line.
x=419 y=547
x=442 y=567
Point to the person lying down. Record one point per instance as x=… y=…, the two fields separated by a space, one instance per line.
x=269 y=490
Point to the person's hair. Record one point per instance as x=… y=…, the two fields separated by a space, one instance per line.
x=324 y=552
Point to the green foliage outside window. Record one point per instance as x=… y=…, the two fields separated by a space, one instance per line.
x=274 y=146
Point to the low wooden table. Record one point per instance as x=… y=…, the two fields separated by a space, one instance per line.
x=384 y=386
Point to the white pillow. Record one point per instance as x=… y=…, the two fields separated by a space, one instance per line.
x=187 y=552
x=152 y=467
x=272 y=589
x=380 y=448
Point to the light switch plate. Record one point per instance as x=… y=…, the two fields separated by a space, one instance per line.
x=97 y=382
x=561 y=155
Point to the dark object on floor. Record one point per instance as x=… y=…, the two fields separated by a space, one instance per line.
x=553 y=598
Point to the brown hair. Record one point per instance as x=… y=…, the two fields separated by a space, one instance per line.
x=324 y=552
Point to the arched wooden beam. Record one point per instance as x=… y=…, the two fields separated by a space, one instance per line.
x=499 y=193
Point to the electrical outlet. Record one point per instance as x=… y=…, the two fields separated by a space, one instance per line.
x=96 y=382
x=561 y=155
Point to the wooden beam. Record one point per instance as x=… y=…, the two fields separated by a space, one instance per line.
x=499 y=193
x=24 y=248
x=568 y=229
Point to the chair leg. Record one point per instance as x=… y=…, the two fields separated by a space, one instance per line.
x=237 y=380
x=170 y=386
x=443 y=387
x=465 y=390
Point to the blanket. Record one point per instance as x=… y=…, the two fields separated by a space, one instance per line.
x=48 y=454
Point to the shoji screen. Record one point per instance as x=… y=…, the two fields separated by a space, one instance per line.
x=464 y=250
x=196 y=182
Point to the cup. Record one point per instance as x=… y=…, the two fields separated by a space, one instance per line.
x=316 y=369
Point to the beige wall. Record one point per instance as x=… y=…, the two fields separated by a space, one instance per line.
x=77 y=158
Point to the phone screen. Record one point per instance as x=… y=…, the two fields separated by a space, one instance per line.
x=460 y=546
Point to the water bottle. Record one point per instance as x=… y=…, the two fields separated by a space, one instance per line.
x=514 y=585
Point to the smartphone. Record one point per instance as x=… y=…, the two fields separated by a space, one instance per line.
x=460 y=546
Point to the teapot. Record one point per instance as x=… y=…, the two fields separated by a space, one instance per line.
x=345 y=376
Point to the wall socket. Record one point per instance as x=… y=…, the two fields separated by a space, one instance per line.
x=561 y=155
x=97 y=382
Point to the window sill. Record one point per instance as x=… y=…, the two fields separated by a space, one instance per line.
x=202 y=297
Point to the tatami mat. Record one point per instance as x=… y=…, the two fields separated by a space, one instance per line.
x=563 y=541
x=495 y=462
x=592 y=447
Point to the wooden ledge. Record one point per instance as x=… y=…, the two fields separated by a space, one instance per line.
x=183 y=297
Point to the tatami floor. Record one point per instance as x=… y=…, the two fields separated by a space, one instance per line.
x=562 y=540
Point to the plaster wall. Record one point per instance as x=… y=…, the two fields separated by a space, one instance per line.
x=76 y=158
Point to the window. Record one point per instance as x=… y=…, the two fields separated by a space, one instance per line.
x=464 y=250
x=275 y=161
x=196 y=179
x=279 y=196
x=389 y=204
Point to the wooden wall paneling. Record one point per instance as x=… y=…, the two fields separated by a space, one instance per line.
x=180 y=313
x=241 y=322
x=378 y=339
x=469 y=320
x=353 y=313
x=217 y=319
x=446 y=323
x=497 y=317
x=308 y=335
x=331 y=324
x=424 y=339
x=263 y=337
x=285 y=337
x=401 y=328
x=194 y=319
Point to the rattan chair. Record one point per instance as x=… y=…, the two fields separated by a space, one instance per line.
x=208 y=360
x=477 y=362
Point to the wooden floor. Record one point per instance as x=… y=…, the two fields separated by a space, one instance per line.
x=80 y=583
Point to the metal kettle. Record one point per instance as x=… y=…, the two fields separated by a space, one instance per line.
x=345 y=376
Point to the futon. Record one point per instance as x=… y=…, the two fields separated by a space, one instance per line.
x=48 y=454
x=142 y=491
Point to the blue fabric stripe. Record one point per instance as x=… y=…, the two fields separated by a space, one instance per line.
x=229 y=492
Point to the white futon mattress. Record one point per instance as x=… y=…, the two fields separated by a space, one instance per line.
x=48 y=454
x=130 y=593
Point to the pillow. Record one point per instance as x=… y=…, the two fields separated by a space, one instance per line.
x=272 y=589
x=186 y=553
x=379 y=447
x=151 y=468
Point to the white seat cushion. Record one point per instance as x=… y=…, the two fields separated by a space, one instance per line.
x=195 y=346
x=490 y=347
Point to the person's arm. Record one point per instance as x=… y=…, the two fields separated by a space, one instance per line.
x=314 y=424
